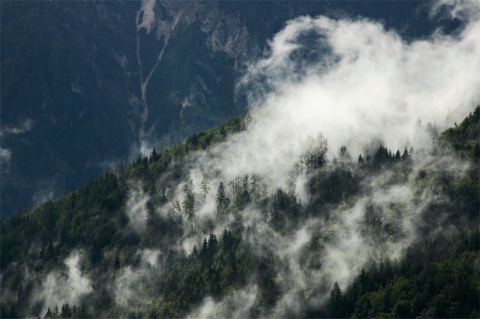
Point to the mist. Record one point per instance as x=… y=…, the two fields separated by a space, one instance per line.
x=130 y=282
x=69 y=286
x=136 y=209
x=365 y=85
x=357 y=84
x=323 y=83
x=6 y=131
x=352 y=83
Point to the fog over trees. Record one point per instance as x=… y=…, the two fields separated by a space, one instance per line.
x=349 y=189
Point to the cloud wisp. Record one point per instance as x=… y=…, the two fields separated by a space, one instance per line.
x=69 y=287
x=23 y=127
x=136 y=209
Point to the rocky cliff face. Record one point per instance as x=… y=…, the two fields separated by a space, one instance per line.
x=205 y=42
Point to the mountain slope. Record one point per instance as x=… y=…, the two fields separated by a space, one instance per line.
x=329 y=198
x=88 y=85
x=146 y=240
x=59 y=75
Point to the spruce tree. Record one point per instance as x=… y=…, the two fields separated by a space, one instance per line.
x=336 y=302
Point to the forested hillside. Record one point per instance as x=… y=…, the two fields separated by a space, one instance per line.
x=386 y=233
x=350 y=187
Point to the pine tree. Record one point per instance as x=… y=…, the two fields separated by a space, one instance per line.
x=48 y=314
x=314 y=156
x=66 y=311
x=204 y=187
x=476 y=150
x=188 y=202
x=397 y=155
x=336 y=302
x=221 y=200
x=360 y=159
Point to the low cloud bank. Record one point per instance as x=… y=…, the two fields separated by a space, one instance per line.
x=354 y=83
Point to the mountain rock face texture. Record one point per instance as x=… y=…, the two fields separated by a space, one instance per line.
x=88 y=85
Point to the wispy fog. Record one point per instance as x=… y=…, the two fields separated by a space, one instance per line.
x=67 y=286
x=5 y=131
x=354 y=83
x=136 y=208
x=323 y=83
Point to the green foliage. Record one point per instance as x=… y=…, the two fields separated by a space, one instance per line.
x=436 y=286
x=70 y=221
x=436 y=278
x=222 y=202
x=314 y=156
x=464 y=138
x=336 y=309
x=188 y=203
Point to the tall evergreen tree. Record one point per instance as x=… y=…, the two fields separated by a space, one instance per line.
x=336 y=302
x=188 y=200
x=204 y=187
x=48 y=314
x=221 y=200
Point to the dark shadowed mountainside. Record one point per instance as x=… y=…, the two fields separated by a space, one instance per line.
x=87 y=85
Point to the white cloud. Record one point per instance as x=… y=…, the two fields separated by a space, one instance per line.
x=61 y=288
x=365 y=84
x=457 y=9
x=236 y=306
x=128 y=286
x=136 y=209
x=132 y=285
x=372 y=85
